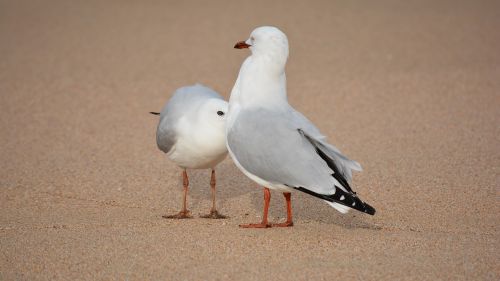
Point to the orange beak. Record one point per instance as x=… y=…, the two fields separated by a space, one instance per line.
x=241 y=45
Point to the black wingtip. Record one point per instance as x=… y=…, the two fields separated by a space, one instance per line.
x=344 y=198
x=369 y=209
x=154 y=113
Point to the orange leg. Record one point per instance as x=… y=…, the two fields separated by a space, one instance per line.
x=264 y=223
x=213 y=212
x=289 y=222
x=184 y=213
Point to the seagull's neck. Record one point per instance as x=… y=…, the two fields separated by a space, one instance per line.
x=261 y=83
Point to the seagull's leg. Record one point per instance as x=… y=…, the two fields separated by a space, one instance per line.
x=184 y=213
x=185 y=183
x=264 y=223
x=213 y=212
x=289 y=222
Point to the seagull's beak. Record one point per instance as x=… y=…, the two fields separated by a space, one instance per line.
x=242 y=45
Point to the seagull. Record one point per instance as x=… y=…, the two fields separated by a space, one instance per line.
x=191 y=132
x=274 y=144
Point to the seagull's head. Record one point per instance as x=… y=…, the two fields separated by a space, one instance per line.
x=213 y=113
x=209 y=124
x=266 y=41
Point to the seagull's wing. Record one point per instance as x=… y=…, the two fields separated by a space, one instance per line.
x=271 y=146
x=166 y=133
x=343 y=165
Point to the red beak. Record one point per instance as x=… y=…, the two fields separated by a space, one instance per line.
x=241 y=45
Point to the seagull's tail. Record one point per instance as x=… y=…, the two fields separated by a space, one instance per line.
x=339 y=207
x=154 y=113
x=342 y=201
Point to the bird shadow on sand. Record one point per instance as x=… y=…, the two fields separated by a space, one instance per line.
x=231 y=183
x=307 y=208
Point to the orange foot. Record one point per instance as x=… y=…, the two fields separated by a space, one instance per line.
x=214 y=215
x=255 y=225
x=283 y=224
x=181 y=215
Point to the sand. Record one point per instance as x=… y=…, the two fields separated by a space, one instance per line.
x=408 y=89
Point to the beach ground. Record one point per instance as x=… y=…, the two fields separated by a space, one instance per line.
x=410 y=89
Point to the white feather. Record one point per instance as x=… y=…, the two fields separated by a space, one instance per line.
x=341 y=208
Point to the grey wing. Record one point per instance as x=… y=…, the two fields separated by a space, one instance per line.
x=166 y=131
x=165 y=134
x=269 y=146
x=344 y=165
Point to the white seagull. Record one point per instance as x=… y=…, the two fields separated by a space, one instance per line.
x=191 y=132
x=275 y=145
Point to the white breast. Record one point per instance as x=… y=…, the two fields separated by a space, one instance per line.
x=198 y=148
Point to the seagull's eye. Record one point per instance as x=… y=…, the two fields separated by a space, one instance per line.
x=252 y=39
x=220 y=113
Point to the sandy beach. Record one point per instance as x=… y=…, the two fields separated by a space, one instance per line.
x=409 y=89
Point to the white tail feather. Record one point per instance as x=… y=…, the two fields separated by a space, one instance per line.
x=339 y=207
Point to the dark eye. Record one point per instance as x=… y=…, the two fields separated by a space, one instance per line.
x=220 y=113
